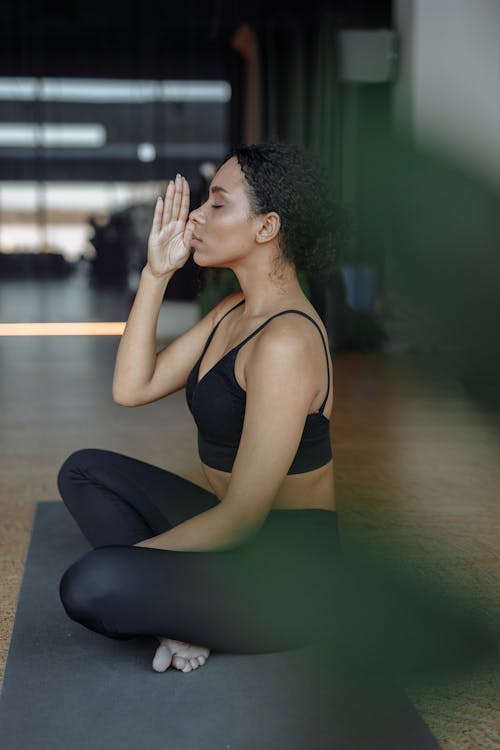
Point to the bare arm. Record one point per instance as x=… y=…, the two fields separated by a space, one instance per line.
x=140 y=374
x=214 y=529
x=136 y=356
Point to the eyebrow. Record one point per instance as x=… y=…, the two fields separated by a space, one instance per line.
x=219 y=189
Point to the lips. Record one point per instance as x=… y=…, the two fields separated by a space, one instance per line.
x=194 y=237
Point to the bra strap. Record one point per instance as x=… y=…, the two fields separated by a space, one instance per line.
x=216 y=326
x=322 y=339
x=231 y=310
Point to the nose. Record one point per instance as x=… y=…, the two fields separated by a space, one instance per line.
x=197 y=215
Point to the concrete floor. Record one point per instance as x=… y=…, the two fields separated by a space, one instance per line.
x=415 y=457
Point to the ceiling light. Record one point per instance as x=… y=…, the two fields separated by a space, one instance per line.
x=54 y=135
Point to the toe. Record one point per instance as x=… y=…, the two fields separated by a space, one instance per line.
x=179 y=662
x=162 y=659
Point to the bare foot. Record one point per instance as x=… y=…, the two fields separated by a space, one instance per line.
x=179 y=654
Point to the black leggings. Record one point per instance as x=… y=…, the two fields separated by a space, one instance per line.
x=262 y=595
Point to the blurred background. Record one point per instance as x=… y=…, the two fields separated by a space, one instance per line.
x=101 y=103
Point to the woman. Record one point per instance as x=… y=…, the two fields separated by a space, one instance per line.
x=236 y=569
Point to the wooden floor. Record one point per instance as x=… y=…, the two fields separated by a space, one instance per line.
x=414 y=454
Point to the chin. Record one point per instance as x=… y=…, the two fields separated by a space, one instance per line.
x=196 y=257
x=211 y=262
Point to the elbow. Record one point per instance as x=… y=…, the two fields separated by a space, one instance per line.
x=122 y=398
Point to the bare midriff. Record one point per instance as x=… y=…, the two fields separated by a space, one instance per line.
x=312 y=489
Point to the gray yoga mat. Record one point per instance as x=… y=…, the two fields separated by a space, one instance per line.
x=67 y=687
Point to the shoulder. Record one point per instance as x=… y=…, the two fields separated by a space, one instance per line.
x=290 y=348
x=284 y=345
x=281 y=374
x=292 y=331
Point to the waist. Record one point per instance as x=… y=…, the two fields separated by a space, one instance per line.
x=313 y=490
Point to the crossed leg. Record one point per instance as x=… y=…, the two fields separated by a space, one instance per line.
x=209 y=598
x=100 y=488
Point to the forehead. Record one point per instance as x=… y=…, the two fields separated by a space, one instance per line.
x=230 y=176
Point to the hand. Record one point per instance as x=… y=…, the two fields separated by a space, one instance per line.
x=169 y=243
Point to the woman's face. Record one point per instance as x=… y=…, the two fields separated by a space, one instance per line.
x=222 y=225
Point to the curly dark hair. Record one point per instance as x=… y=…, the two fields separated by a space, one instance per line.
x=289 y=180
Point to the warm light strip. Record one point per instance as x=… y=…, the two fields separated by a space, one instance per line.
x=61 y=329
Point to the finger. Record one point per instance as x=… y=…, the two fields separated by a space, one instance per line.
x=156 y=225
x=177 y=198
x=167 y=210
x=184 y=211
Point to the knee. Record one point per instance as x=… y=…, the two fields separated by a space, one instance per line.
x=86 y=588
x=75 y=466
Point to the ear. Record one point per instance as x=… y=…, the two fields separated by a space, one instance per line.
x=268 y=227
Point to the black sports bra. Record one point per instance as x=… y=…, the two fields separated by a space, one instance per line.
x=217 y=403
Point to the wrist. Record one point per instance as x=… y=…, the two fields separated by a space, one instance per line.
x=159 y=278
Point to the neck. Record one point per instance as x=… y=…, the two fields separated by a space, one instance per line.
x=265 y=291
